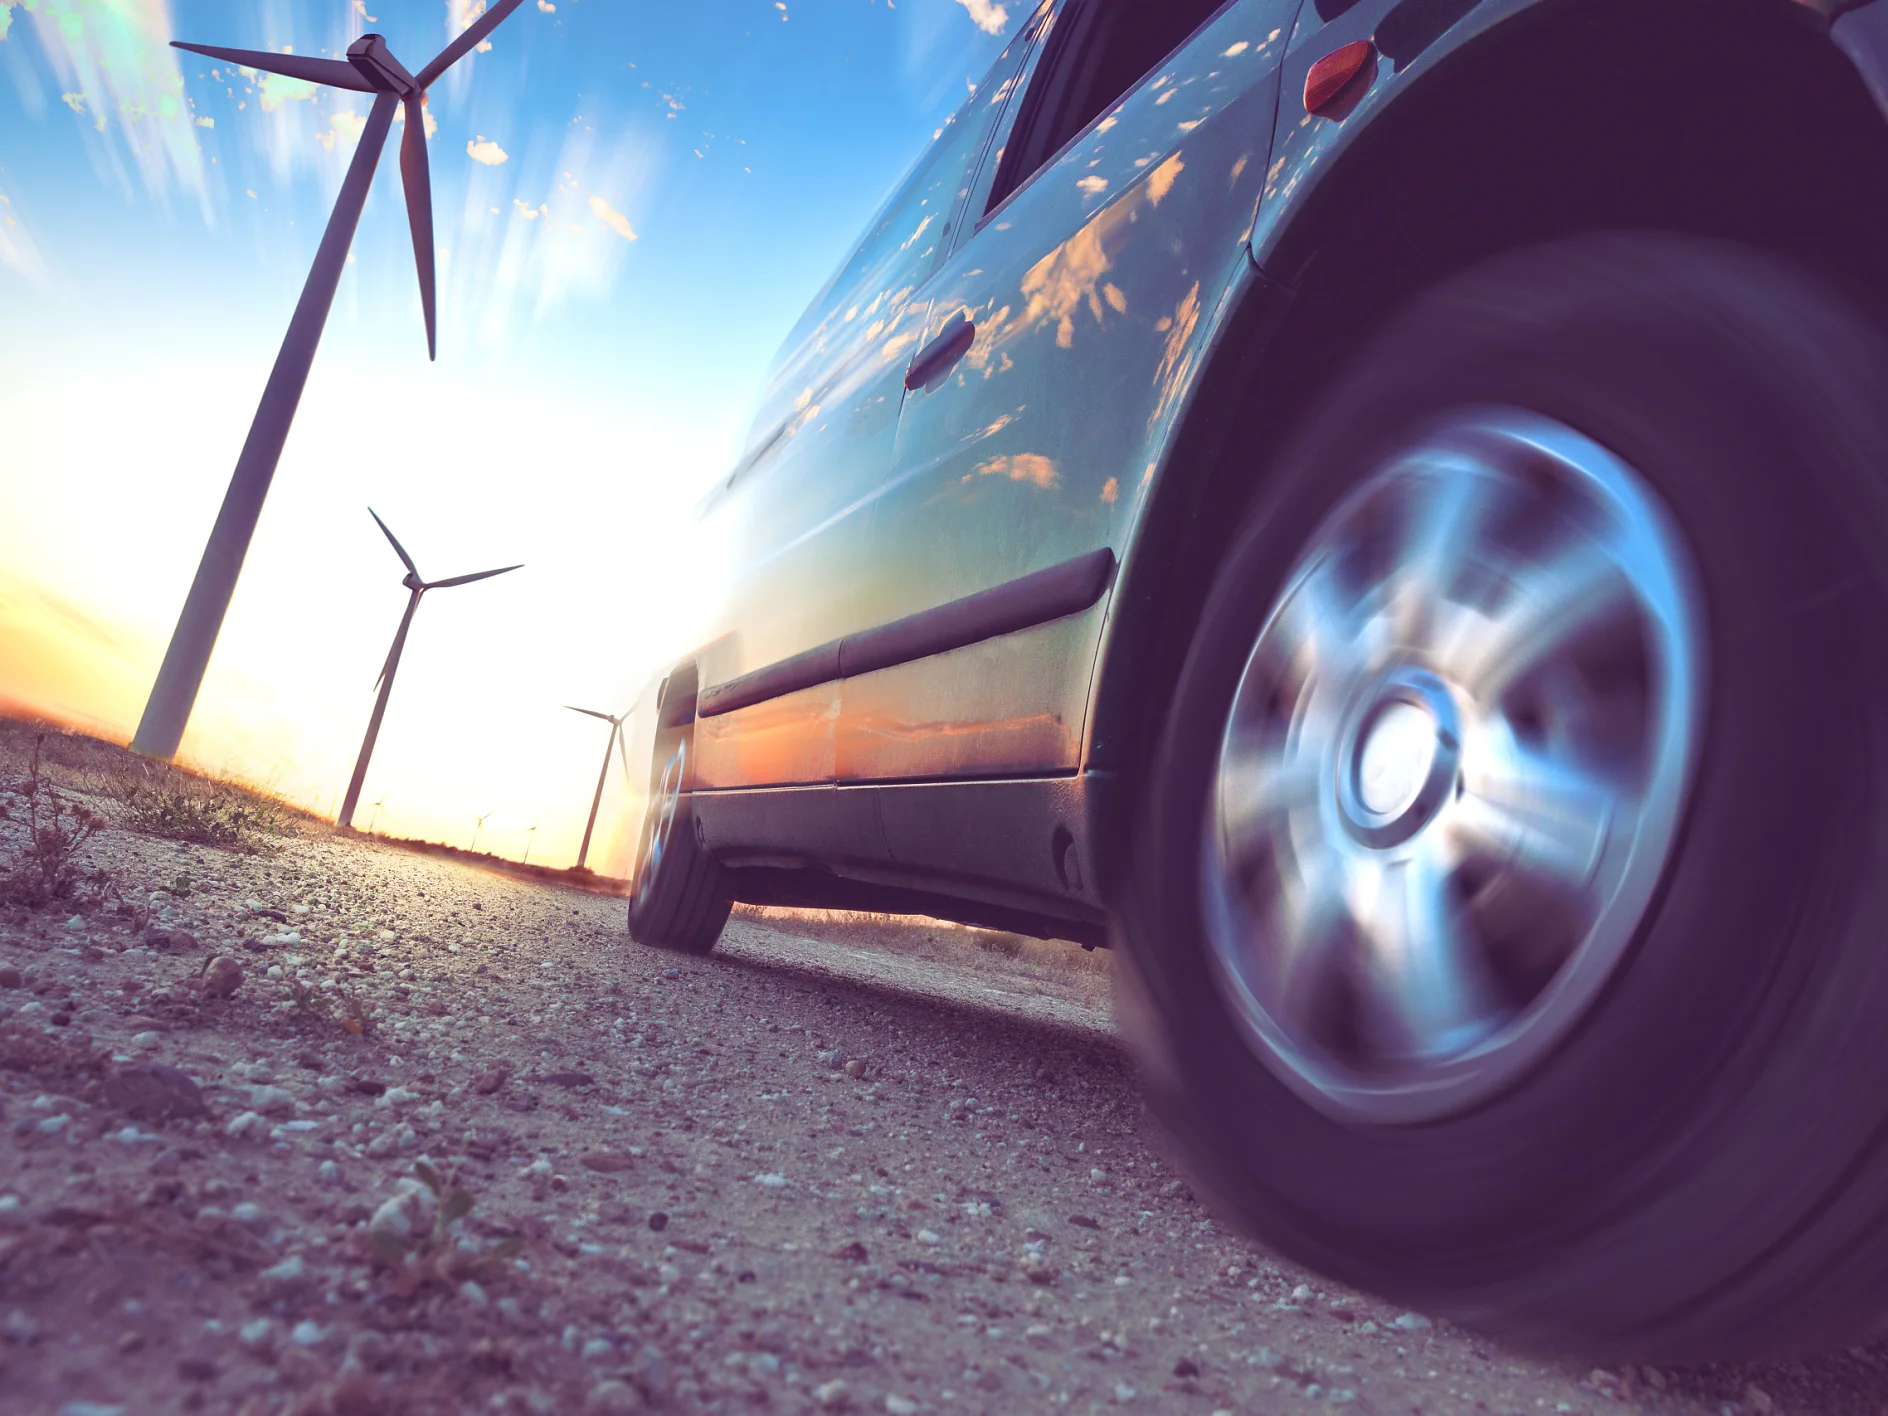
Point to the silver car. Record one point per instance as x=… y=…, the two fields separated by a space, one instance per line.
x=1374 y=510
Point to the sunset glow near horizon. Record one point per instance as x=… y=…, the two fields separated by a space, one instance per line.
x=632 y=205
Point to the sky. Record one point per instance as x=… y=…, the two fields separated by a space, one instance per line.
x=633 y=203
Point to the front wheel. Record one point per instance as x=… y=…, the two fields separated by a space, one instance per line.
x=1504 y=929
x=681 y=900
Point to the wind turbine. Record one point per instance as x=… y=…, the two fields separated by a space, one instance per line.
x=416 y=587
x=369 y=68
x=475 y=831
x=529 y=836
x=376 y=816
x=616 y=727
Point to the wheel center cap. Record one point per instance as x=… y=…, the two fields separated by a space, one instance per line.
x=1399 y=744
x=1400 y=759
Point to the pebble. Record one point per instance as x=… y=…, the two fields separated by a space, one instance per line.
x=146 y=1040
x=53 y=1125
x=271 y=1101
x=90 y=1408
x=257 y=1332
x=1123 y=1392
x=328 y=1173
x=833 y=1394
x=926 y=1236
x=308 y=1333
x=473 y=1293
x=771 y=1181
x=222 y=978
x=290 y=1273
x=1413 y=1322
x=897 y=1405
x=246 y=1125
x=855 y=1068
x=250 y=1216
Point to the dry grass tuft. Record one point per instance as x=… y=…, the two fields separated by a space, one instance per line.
x=161 y=800
x=46 y=871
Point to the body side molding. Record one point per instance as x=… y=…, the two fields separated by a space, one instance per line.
x=1063 y=589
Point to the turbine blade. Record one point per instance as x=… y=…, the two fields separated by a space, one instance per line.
x=467 y=40
x=468 y=579
x=335 y=73
x=590 y=712
x=416 y=178
x=398 y=549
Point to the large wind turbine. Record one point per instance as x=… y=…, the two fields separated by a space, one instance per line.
x=616 y=727
x=369 y=68
x=416 y=587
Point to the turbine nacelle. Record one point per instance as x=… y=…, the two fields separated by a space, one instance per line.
x=371 y=56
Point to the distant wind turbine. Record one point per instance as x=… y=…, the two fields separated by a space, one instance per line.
x=369 y=68
x=476 y=829
x=616 y=727
x=376 y=816
x=416 y=587
x=528 y=837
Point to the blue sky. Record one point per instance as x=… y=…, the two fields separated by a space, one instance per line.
x=633 y=204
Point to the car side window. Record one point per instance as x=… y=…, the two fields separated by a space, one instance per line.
x=1096 y=51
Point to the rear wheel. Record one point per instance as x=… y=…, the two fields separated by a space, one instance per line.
x=682 y=899
x=1504 y=931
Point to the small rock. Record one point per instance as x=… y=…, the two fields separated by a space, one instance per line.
x=609 y=1398
x=222 y=978
x=490 y=1081
x=833 y=1395
x=1036 y=1269
x=896 y=1405
x=148 y=1040
x=396 y=1096
x=250 y=1216
x=570 y=1079
x=926 y=1236
x=170 y=941
x=658 y=1221
x=246 y=1125
x=770 y=1181
x=271 y=1101
x=1123 y=1392
x=1301 y=1294
x=1082 y=1221
x=257 y=1333
x=10 y=977
x=53 y=1125
x=89 y=1408
x=196 y=1369
x=1759 y=1400
x=407 y=1213
x=150 y=1091
x=607 y=1162
x=597 y=1349
x=855 y=1068
x=76 y=922
x=308 y=1333
x=290 y=1273
x=1186 y=1367
x=473 y=1294
x=1413 y=1322
x=328 y=1173
x=853 y=1253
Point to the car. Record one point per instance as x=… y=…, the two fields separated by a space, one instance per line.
x=1375 y=511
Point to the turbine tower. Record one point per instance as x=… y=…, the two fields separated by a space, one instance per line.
x=376 y=816
x=475 y=832
x=416 y=587
x=529 y=838
x=369 y=68
x=616 y=727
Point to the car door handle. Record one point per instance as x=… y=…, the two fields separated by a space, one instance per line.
x=937 y=356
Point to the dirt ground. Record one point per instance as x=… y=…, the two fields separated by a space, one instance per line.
x=451 y=1143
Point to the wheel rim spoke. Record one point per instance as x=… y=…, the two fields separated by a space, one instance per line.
x=1548 y=607
x=1439 y=531
x=1423 y=991
x=1546 y=818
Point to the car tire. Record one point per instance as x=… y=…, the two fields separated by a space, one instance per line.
x=1690 y=1165
x=681 y=900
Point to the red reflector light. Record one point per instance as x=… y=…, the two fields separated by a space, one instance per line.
x=1332 y=74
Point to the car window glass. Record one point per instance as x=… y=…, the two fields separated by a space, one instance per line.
x=859 y=307
x=1096 y=51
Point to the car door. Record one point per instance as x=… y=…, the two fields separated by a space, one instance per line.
x=791 y=523
x=1079 y=301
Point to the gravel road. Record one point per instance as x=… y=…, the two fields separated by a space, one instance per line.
x=799 y=1175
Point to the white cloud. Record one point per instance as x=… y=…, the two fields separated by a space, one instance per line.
x=612 y=218
x=547 y=7
x=346 y=128
x=485 y=151
x=987 y=15
x=274 y=90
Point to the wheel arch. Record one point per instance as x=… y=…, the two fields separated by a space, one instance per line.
x=1738 y=119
